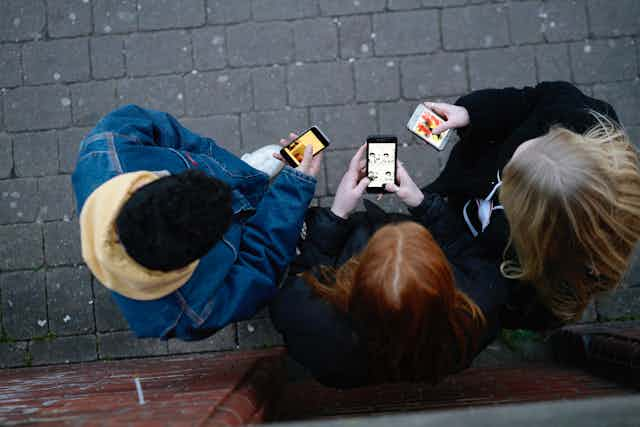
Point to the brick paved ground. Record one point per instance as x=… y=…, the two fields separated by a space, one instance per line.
x=246 y=72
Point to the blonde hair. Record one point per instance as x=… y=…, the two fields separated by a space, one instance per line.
x=573 y=206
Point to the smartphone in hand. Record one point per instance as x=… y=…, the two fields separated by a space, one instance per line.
x=423 y=121
x=294 y=151
x=382 y=152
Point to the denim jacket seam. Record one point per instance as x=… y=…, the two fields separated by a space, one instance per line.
x=233 y=174
x=166 y=331
x=188 y=310
x=288 y=170
x=113 y=151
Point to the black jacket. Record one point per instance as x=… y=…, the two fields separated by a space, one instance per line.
x=324 y=340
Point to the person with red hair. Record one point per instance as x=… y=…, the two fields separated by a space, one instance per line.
x=375 y=297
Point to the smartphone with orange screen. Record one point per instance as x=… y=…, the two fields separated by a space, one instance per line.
x=294 y=151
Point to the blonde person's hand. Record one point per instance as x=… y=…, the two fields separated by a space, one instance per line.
x=351 y=188
x=310 y=164
x=407 y=191
x=454 y=115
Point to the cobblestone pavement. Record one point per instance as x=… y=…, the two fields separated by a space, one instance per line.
x=247 y=72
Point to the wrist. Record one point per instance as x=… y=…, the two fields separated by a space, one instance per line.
x=340 y=213
x=415 y=200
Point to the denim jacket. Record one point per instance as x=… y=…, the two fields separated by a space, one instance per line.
x=240 y=273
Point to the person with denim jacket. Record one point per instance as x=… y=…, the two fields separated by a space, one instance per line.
x=187 y=236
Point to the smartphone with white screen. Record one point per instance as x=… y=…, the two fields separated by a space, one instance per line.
x=423 y=121
x=382 y=152
x=294 y=151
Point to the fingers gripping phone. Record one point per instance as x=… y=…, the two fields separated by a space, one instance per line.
x=423 y=121
x=294 y=152
x=382 y=152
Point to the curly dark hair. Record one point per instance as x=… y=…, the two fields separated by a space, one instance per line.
x=173 y=221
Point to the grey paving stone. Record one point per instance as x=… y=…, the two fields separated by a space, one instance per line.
x=165 y=93
x=13 y=354
x=10 y=74
x=259 y=333
x=269 y=88
x=62 y=243
x=421 y=161
x=259 y=44
x=525 y=22
x=621 y=304
x=209 y=48
x=320 y=84
x=267 y=10
x=607 y=18
x=56 y=61
x=21 y=246
x=377 y=80
x=107 y=57
x=355 y=35
x=143 y=59
x=21 y=20
x=35 y=154
x=475 y=27
x=108 y=315
x=321 y=187
x=35 y=108
x=502 y=67
x=68 y=146
x=603 y=60
x=443 y=3
x=346 y=126
x=70 y=301
x=552 y=62
x=224 y=130
x=6 y=156
x=223 y=340
x=56 y=198
x=315 y=39
x=68 y=18
x=115 y=16
x=118 y=345
x=393 y=117
x=406 y=32
x=225 y=12
x=341 y=7
x=403 y=4
x=79 y=348
x=267 y=127
x=159 y=14
x=625 y=98
x=565 y=20
x=19 y=200
x=92 y=100
x=218 y=92
x=434 y=75
x=24 y=304
x=337 y=162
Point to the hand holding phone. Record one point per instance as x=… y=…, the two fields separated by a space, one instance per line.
x=382 y=153
x=293 y=152
x=424 y=122
x=351 y=187
x=406 y=189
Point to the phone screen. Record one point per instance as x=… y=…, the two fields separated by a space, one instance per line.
x=294 y=152
x=422 y=123
x=381 y=163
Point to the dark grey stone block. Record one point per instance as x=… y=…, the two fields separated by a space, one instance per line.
x=268 y=127
x=403 y=4
x=377 y=80
x=108 y=315
x=337 y=162
x=70 y=301
x=346 y=126
x=209 y=48
x=259 y=333
x=341 y=7
x=259 y=44
x=624 y=97
x=218 y=92
x=35 y=154
x=91 y=101
x=355 y=35
x=24 y=305
x=621 y=304
x=226 y=12
x=68 y=18
x=603 y=60
x=10 y=74
x=6 y=156
x=320 y=84
x=62 y=243
x=224 y=130
x=434 y=75
x=223 y=340
x=502 y=67
x=19 y=200
x=107 y=57
x=406 y=32
x=268 y=10
x=143 y=58
x=565 y=20
x=552 y=62
x=159 y=14
x=21 y=246
x=443 y=3
x=56 y=198
x=125 y=344
x=526 y=23
x=13 y=354
x=34 y=108
x=22 y=20
x=165 y=93
x=79 y=348
x=115 y=16
x=56 y=61
x=68 y=146
x=315 y=39
x=393 y=118
x=421 y=161
x=269 y=88
x=618 y=18
x=475 y=27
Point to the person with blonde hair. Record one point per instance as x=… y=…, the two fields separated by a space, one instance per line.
x=547 y=176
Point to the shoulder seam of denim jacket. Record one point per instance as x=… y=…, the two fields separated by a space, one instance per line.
x=235 y=252
x=172 y=326
x=114 y=153
x=186 y=309
x=304 y=177
x=179 y=154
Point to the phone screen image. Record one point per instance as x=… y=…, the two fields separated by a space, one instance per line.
x=381 y=164
x=422 y=123
x=294 y=152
